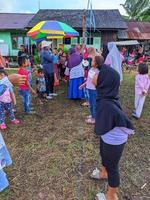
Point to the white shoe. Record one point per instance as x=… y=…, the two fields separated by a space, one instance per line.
x=49 y=97
x=53 y=94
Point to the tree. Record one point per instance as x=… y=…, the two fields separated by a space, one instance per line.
x=138 y=9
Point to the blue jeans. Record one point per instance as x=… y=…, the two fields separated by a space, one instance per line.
x=86 y=94
x=92 y=102
x=26 y=97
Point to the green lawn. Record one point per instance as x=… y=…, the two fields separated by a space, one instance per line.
x=54 y=152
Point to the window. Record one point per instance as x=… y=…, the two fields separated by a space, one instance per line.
x=67 y=41
x=26 y=41
x=90 y=41
x=17 y=40
x=14 y=40
x=74 y=40
x=20 y=41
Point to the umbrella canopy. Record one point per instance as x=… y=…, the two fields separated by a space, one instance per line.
x=50 y=30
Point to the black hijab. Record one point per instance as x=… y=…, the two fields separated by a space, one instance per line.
x=109 y=112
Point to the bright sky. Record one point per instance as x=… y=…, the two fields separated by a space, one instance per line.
x=30 y=6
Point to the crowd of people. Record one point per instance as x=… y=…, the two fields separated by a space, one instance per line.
x=91 y=76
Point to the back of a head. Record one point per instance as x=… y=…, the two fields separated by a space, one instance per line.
x=40 y=71
x=143 y=68
x=112 y=45
x=91 y=51
x=108 y=83
x=99 y=61
x=22 y=60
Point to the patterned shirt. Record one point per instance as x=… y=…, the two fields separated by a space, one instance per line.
x=40 y=84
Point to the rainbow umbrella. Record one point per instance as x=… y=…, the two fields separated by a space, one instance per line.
x=51 y=30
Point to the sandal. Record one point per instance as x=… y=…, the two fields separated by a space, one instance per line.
x=96 y=175
x=85 y=104
x=90 y=121
x=89 y=117
x=100 y=196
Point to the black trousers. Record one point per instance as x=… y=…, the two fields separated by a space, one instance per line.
x=62 y=72
x=49 y=78
x=111 y=155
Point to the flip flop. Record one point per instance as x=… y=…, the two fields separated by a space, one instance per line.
x=96 y=175
x=100 y=196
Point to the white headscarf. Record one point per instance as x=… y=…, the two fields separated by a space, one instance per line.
x=115 y=58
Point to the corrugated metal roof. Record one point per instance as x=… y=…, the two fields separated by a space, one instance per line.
x=136 y=31
x=105 y=19
x=127 y=43
x=140 y=27
x=14 y=20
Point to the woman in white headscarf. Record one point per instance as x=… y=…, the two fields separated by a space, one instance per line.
x=114 y=58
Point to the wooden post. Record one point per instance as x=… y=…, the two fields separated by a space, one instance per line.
x=83 y=29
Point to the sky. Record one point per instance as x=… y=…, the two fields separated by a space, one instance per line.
x=32 y=6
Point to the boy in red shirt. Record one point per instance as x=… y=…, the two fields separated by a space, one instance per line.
x=24 y=90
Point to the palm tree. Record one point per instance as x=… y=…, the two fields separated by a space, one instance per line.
x=138 y=9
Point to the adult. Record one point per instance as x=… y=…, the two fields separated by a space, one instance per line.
x=2 y=61
x=76 y=74
x=47 y=62
x=112 y=126
x=21 y=52
x=105 y=51
x=114 y=58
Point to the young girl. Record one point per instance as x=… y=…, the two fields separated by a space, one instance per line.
x=142 y=84
x=92 y=91
x=112 y=126
x=7 y=99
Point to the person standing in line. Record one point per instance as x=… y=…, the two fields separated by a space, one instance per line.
x=7 y=100
x=142 y=84
x=113 y=127
x=24 y=89
x=76 y=75
x=47 y=62
x=114 y=59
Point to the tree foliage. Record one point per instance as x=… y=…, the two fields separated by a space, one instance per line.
x=138 y=9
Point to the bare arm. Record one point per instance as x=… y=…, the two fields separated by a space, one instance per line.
x=82 y=86
x=13 y=97
x=17 y=79
x=95 y=80
x=31 y=89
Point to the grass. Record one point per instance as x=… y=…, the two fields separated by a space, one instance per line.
x=54 y=152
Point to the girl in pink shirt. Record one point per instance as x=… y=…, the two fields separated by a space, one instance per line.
x=7 y=99
x=142 y=84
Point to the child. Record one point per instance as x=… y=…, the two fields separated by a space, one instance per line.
x=24 y=90
x=91 y=91
x=7 y=99
x=62 y=60
x=41 y=85
x=55 y=61
x=112 y=126
x=142 y=84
